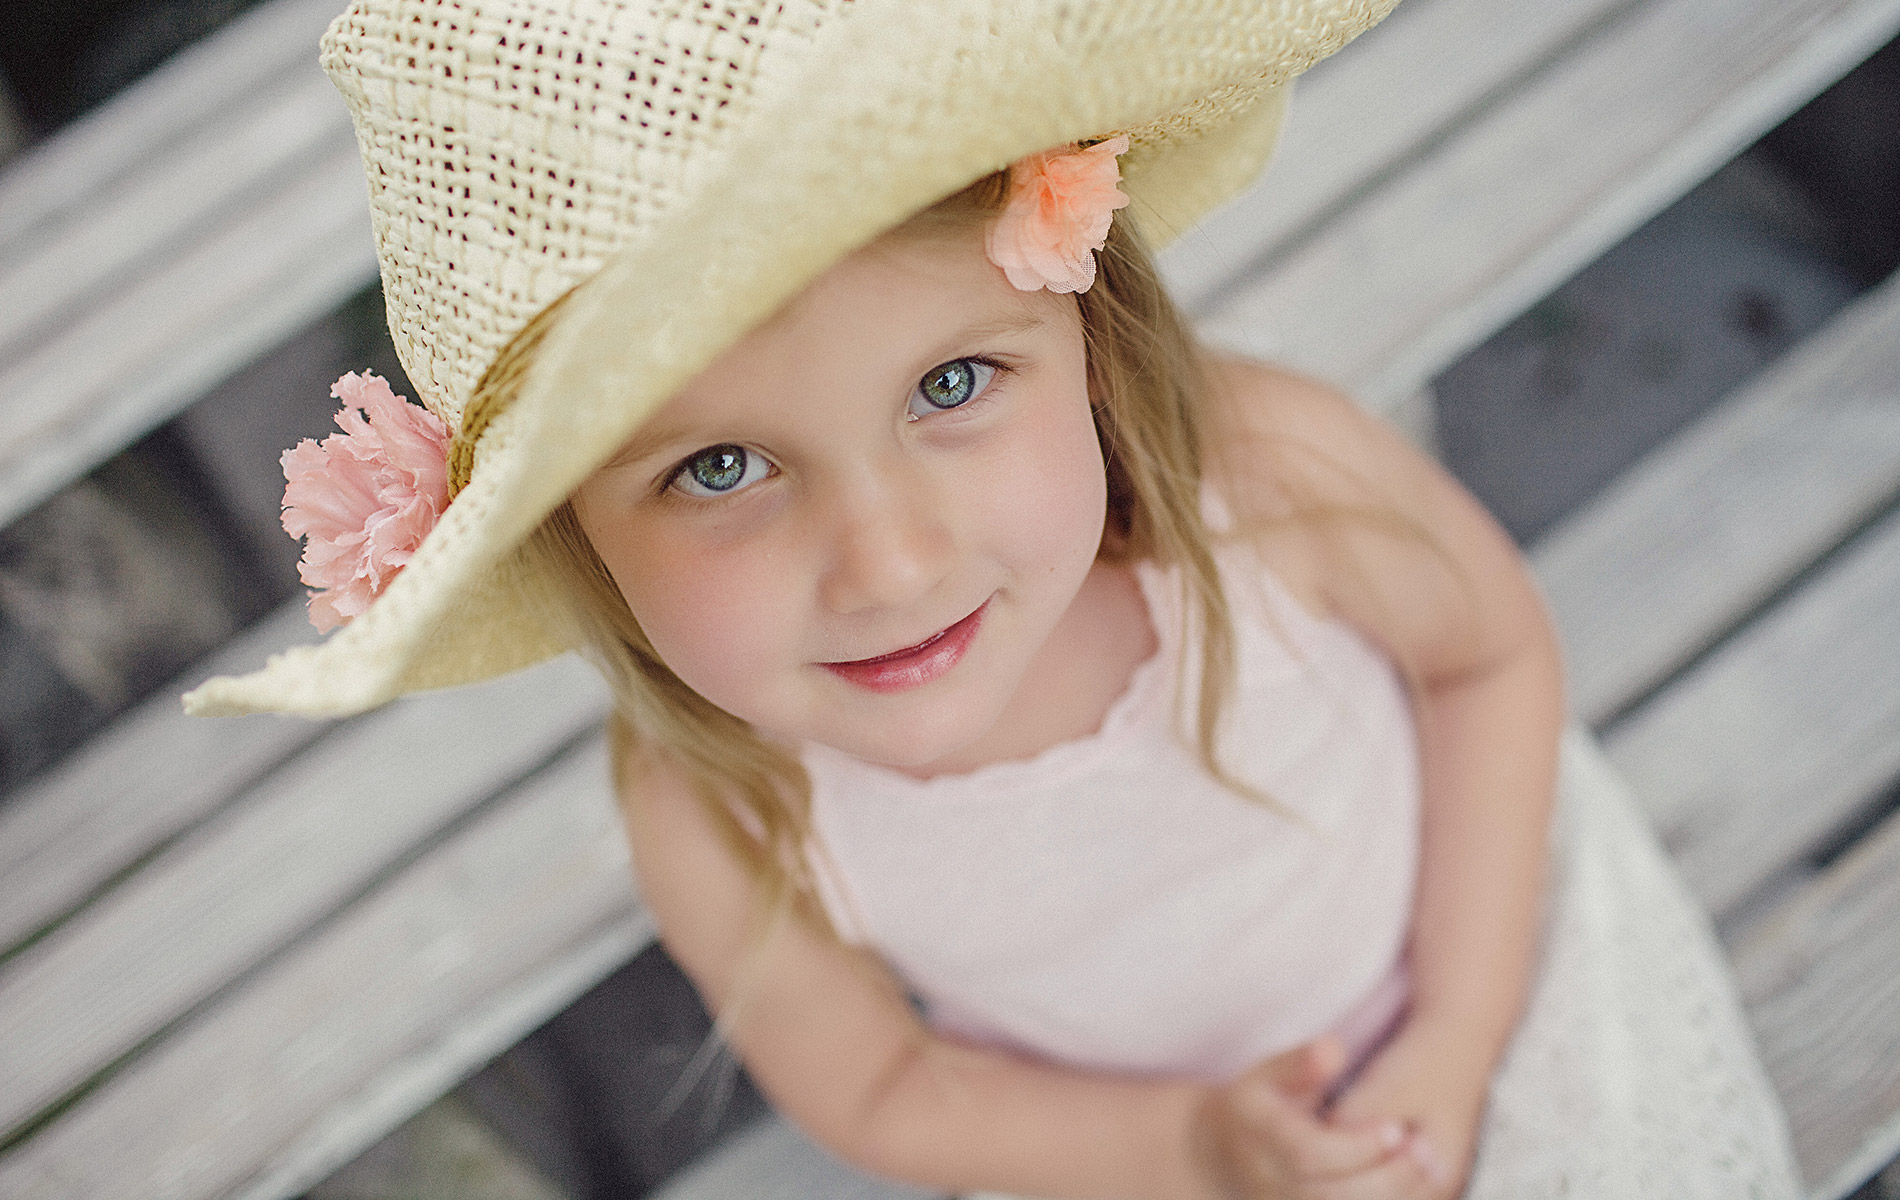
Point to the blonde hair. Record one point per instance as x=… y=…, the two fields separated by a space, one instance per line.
x=1150 y=395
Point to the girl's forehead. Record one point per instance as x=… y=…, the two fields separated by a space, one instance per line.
x=898 y=299
x=924 y=272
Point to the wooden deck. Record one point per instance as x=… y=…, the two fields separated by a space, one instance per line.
x=310 y=931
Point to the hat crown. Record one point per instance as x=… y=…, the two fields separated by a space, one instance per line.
x=511 y=146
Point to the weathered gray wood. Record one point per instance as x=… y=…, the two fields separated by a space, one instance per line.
x=152 y=215
x=445 y=1152
x=135 y=359
x=457 y=957
x=1763 y=750
x=1707 y=526
x=199 y=218
x=1520 y=197
x=278 y=1111
x=1372 y=109
x=154 y=773
x=1821 y=979
x=772 y=1160
x=204 y=83
x=254 y=877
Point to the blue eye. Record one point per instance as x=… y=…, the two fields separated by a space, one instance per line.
x=950 y=385
x=718 y=470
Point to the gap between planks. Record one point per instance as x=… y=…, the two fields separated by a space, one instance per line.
x=250 y=880
x=139 y=357
x=159 y=215
x=1396 y=288
x=1709 y=525
x=203 y=84
x=427 y=976
x=150 y=776
x=1402 y=87
x=1758 y=755
x=1823 y=990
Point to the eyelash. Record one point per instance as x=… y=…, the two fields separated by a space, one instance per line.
x=983 y=384
x=671 y=485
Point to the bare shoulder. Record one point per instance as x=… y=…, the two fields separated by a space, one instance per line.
x=698 y=892
x=1280 y=448
x=1358 y=523
x=1270 y=396
x=1270 y=422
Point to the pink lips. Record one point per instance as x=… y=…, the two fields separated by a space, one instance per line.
x=913 y=666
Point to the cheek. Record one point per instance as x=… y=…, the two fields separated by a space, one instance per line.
x=712 y=617
x=1057 y=475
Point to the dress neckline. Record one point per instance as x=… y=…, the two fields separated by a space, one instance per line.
x=1148 y=684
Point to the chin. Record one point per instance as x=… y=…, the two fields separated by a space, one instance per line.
x=913 y=755
x=922 y=748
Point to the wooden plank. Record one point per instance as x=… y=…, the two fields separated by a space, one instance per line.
x=133 y=361
x=153 y=774
x=1821 y=979
x=156 y=214
x=1707 y=526
x=448 y=1151
x=773 y=1160
x=454 y=959
x=250 y=880
x=1368 y=111
x=1512 y=203
x=135 y=1107
x=1766 y=748
x=54 y=182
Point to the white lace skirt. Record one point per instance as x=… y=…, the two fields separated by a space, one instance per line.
x=1633 y=1074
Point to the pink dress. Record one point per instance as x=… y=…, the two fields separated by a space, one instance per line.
x=1107 y=904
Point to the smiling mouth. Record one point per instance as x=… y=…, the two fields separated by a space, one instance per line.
x=913 y=666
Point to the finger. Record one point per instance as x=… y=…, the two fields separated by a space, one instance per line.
x=1308 y=1148
x=1307 y=1070
x=1424 y=1154
x=1397 y=1178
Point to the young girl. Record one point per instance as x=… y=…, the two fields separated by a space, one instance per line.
x=1069 y=763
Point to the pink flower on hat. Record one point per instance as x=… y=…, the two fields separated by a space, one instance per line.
x=364 y=498
x=1057 y=216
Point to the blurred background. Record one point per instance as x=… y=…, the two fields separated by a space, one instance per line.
x=157 y=541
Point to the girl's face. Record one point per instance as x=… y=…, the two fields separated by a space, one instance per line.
x=862 y=524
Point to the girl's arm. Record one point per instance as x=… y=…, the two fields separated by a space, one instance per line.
x=1446 y=594
x=829 y=1036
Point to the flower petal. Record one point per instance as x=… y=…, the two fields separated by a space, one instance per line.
x=1057 y=215
x=365 y=498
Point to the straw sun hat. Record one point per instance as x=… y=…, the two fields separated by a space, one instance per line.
x=691 y=165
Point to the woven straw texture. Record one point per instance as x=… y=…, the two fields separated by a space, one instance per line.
x=684 y=167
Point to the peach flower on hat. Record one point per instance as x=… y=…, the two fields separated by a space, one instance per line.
x=1057 y=215
x=364 y=498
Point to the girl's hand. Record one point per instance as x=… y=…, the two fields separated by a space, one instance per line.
x=1434 y=1083
x=1261 y=1137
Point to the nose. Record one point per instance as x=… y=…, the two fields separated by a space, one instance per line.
x=891 y=542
